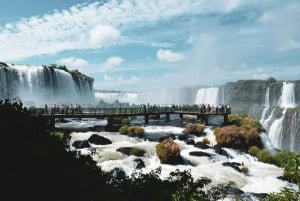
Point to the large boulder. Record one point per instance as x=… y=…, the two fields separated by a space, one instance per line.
x=168 y=152
x=98 y=140
x=131 y=151
x=195 y=129
x=81 y=144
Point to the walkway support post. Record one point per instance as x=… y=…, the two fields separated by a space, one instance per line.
x=52 y=122
x=167 y=116
x=204 y=119
x=146 y=118
x=225 y=119
x=110 y=121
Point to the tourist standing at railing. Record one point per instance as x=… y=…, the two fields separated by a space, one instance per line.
x=46 y=109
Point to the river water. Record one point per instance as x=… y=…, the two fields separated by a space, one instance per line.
x=262 y=178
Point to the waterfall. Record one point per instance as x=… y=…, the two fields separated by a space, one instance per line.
x=111 y=97
x=207 y=96
x=293 y=133
x=39 y=85
x=275 y=132
x=266 y=106
x=287 y=100
x=266 y=142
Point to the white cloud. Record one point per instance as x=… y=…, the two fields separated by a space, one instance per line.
x=103 y=34
x=135 y=78
x=86 y=26
x=111 y=64
x=169 y=56
x=108 y=78
x=73 y=63
x=230 y=5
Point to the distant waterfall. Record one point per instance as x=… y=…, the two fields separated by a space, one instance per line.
x=38 y=85
x=111 y=97
x=208 y=96
x=275 y=132
x=287 y=100
x=293 y=132
x=266 y=106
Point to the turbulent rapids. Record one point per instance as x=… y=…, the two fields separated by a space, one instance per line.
x=256 y=182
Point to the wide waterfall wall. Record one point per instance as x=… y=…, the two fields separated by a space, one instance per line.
x=113 y=97
x=39 y=85
x=210 y=95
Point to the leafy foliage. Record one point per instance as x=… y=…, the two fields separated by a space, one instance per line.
x=242 y=120
x=168 y=151
x=136 y=130
x=285 y=194
x=241 y=134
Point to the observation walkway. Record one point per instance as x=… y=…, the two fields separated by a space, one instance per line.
x=202 y=112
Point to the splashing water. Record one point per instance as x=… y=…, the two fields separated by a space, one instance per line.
x=207 y=96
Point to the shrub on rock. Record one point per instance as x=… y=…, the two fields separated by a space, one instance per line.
x=168 y=152
x=242 y=134
x=196 y=129
x=135 y=130
x=123 y=130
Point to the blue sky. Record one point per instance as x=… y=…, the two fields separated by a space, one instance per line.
x=136 y=45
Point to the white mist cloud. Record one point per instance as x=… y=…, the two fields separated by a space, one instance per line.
x=73 y=63
x=169 y=56
x=283 y=26
x=111 y=64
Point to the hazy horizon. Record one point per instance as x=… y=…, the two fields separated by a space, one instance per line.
x=134 y=45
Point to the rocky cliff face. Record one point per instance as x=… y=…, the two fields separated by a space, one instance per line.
x=274 y=103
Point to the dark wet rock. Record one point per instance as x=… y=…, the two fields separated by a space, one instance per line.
x=61 y=120
x=3 y=64
x=97 y=128
x=260 y=196
x=81 y=144
x=190 y=141
x=235 y=191
x=219 y=150
x=139 y=163
x=118 y=173
x=184 y=137
x=131 y=151
x=166 y=137
x=234 y=165
x=201 y=145
x=199 y=153
x=98 y=140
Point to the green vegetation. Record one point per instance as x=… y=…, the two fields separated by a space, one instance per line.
x=285 y=194
x=168 y=152
x=196 y=129
x=123 y=130
x=36 y=166
x=136 y=130
x=205 y=141
x=245 y=122
x=253 y=150
x=245 y=170
x=241 y=134
x=189 y=119
x=285 y=159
